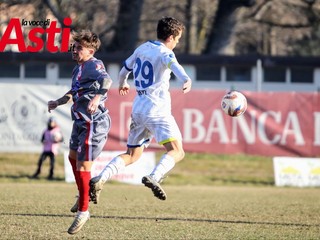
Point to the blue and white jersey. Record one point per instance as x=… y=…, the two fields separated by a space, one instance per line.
x=86 y=81
x=151 y=65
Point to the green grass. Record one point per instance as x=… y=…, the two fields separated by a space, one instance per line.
x=209 y=197
x=195 y=169
x=222 y=169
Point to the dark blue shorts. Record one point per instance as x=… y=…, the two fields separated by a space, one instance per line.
x=89 y=138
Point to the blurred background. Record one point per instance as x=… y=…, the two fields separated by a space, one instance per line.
x=225 y=27
x=256 y=45
x=267 y=49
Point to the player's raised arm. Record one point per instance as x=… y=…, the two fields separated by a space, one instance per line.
x=181 y=74
x=53 y=104
x=124 y=87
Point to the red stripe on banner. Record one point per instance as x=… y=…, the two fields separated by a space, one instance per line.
x=275 y=123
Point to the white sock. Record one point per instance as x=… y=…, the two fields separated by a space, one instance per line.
x=84 y=214
x=165 y=164
x=114 y=167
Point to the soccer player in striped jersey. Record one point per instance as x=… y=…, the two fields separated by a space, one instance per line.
x=91 y=122
x=151 y=64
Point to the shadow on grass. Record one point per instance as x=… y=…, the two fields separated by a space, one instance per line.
x=169 y=219
x=257 y=182
x=25 y=176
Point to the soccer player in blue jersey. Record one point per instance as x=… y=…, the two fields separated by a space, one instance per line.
x=91 y=122
x=151 y=64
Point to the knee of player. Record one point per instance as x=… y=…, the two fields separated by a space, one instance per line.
x=180 y=155
x=131 y=156
x=133 y=159
x=183 y=154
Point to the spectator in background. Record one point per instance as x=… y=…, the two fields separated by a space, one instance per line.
x=51 y=139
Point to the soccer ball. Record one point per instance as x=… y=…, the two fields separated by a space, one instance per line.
x=234 y=103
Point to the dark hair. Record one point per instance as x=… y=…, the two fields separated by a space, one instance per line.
x=87 y=39
x=50 y=121
x=168 y=26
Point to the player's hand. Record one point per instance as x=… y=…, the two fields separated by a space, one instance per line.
x=52 y=105
x=93 y=104
x=124 y=90
x=187 y=86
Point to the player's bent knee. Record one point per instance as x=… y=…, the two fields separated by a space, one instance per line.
x=180 y=155
x=183 y=154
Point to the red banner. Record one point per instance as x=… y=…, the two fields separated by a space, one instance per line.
x=275 y=123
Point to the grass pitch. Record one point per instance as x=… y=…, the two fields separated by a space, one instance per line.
x=239 y=205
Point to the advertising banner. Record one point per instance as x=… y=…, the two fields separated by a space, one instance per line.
x=132 y=174
x=296 y=172
x=275 y=123
x=24 y=116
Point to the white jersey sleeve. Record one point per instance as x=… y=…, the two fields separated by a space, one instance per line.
x=179 y=72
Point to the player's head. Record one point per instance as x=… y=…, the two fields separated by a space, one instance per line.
x=52 y=123
x=169 y=30
x=87 y=39
x=86 y=43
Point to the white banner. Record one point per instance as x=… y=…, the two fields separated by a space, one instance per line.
x=298 y=172
x=131 y=174
x=24 y=116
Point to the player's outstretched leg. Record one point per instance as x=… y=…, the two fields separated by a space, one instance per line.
x=75 y=207
x=80 y=219
x=96 y=185
x=157 y=190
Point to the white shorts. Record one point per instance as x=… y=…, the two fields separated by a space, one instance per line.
x=143 y=128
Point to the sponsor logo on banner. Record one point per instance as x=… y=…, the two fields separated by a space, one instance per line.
x=24 y=117
x=297 y=172
x=132 y=174
x=267 y=128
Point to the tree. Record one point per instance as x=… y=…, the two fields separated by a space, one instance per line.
x=126 y=26
x=264 y=27
x=228 y=27
x=199 y=17
x=224 y=24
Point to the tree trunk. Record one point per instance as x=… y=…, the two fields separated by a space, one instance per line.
x=127 y=26
x=223 y=24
